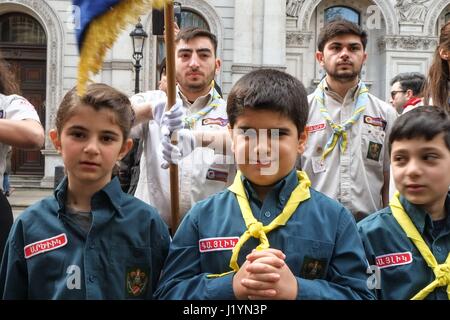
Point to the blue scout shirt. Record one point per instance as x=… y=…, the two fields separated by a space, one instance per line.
x=320 y=241
x=49 y=257
x=403 y=271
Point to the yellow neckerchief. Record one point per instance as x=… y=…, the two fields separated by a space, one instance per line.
x=441 y=271
x=340 y=130
x=254 y=227
x=189 y=122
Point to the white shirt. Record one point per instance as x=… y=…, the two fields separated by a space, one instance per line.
x=13 y=107
x=354 y=178
x=201 y=174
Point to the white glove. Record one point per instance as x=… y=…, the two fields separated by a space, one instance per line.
x=174 y=153
x=171 y=120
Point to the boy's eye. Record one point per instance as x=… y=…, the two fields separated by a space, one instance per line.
x=430 y=156
x=108 y=138
x=77 y=134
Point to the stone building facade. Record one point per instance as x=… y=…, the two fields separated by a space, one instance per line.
x=252 y=34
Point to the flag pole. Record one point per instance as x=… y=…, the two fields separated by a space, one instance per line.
x=171 y=97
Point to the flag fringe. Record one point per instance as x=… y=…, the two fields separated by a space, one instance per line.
x=102 y=33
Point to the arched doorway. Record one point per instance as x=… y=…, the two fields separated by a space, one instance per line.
x=23 y=44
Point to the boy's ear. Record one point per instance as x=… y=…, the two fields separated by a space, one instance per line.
x=319 y=57
x=127 y=145
x=230 y=131
x=302 y=139
x=444 y=54
x=53 y=134
x=218 y=64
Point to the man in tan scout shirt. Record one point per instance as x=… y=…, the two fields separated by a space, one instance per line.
x=346 y=155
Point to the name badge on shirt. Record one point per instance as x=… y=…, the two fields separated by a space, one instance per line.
x=217 y=244
x=393 y=259
x=45 y=245
x=318 y=164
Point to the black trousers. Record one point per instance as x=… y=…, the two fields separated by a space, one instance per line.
x=6 y=221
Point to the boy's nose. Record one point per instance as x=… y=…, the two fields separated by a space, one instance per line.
x=413 y=168
x=91 y=147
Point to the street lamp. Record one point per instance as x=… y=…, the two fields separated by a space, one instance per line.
x=138 y=36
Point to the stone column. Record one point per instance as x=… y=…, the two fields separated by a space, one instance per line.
x=243 y=38
x=274 y=34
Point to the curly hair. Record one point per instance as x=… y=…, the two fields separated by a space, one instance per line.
x=8 y=82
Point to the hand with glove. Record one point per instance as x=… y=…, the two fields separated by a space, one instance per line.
x=174 y=153
x=170 y=120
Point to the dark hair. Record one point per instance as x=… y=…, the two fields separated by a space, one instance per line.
x=269 y=89
x=8 y=83
x=337 y=27
x=162 y=68
x=410 y=81
x=195 y=32
x=436 y=86
x=98 y=96
x=421 y=122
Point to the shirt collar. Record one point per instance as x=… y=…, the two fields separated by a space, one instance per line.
x=199 y=103
x=420 y=217
x=352 y=92
x=280 y=192
x=111 y=191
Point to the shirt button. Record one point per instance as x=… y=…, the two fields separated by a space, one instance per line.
x=267 y=214
x=91 y=278
x=92 y=246
x=439 y=249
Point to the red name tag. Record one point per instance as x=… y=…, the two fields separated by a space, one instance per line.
x=45 y=245
x=217 y=244
x=393 y=259
x=315 y=127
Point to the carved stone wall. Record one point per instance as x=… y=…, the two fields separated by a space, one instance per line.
x=48 y=18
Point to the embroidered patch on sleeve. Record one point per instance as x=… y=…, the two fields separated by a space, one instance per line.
x=217 y=175
x=376 y=122
x=45 y=245
x=315 y=127
x=136 y=281
x=313 y=268
x=217 y=244
x=393 y=259
x=374 y=151
x=218 y=121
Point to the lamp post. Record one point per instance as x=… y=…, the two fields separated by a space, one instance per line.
x=138 y=36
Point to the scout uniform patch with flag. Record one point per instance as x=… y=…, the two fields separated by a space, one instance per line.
x=136 y=281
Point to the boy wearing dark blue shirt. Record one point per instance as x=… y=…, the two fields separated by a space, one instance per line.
x=409 y=241
x=307 y=245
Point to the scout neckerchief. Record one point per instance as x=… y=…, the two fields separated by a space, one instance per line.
x=441 y=271
x=255 y=228
x=340 y=130
x=190 y=121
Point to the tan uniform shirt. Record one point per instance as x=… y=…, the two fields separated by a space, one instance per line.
x=355 y=177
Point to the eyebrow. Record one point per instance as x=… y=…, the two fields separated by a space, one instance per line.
x=196 y=50
x=81 y=128
x=286 y=130
x=350 y=44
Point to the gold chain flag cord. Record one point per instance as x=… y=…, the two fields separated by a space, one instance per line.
x=255 y=228
x=104 y=30
x=441 y=271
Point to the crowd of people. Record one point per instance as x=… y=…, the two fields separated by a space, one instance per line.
x=283 y=195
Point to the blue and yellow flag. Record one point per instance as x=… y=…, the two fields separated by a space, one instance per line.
x=99 y=23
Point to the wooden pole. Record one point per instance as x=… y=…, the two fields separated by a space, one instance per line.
x=171 y=97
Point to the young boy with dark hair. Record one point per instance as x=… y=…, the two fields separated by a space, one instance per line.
x=307 y=245
x=409 y=241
